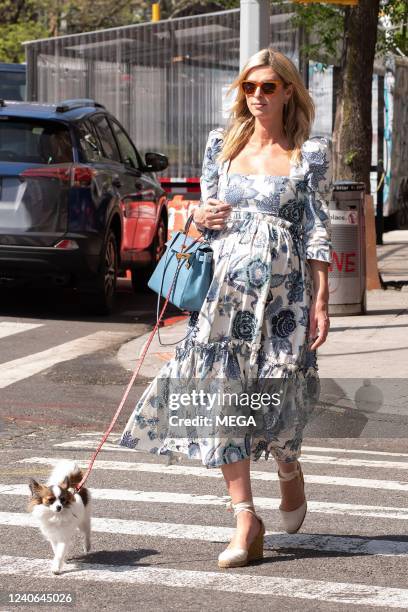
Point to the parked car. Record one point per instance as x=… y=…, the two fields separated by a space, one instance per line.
x=12 y=81
x=78 y=204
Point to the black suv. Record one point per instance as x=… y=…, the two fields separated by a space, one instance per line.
x=77 y=202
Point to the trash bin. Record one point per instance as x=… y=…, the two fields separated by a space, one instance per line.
x=347 y=272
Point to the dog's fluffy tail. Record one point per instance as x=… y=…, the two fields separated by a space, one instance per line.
x=65 y=469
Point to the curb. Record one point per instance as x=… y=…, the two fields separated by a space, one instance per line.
x=156 y=355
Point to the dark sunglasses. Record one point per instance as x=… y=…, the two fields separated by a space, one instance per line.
x=268 y=88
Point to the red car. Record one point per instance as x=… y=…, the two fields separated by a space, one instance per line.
x=145 y=225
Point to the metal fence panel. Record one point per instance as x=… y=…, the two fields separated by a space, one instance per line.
x=165 y=81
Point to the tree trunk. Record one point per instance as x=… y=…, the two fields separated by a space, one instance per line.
x=352 y=136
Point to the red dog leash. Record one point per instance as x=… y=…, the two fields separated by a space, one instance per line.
x=124 y=398
x=119 y=409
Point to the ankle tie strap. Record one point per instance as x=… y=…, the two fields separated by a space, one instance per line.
x=290 y=475
x=240 y=506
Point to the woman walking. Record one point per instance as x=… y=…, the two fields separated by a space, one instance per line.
x=265 y=188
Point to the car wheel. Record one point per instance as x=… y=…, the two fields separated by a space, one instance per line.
x=102 y=299
x=141 y=276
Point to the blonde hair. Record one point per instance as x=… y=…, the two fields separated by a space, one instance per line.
x=298 y=113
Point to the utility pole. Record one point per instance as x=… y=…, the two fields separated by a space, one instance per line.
x=303 y=57
x=254 y=28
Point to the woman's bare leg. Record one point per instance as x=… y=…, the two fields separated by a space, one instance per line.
x=291 y=490
x=238 y=480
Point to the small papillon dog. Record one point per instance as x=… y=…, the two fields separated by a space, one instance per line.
x=61 y=510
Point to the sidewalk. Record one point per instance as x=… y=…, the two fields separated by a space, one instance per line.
x=373 y=345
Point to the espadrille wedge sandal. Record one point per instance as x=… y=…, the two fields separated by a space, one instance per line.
x=238 y=557
x=293 y=520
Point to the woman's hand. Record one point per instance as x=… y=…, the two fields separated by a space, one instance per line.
x=319 y=320
x=213 y=215
x=319 y=309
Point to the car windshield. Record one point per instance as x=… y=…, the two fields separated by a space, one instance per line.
x=34 y=141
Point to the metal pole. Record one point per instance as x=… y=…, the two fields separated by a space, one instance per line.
x=303 y=57
x=254 y=28
x=31 y=73
x=379 y=217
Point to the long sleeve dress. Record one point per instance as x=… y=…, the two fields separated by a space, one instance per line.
x=252 y=330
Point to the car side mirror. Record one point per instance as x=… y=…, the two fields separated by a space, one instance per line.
x=156 y=162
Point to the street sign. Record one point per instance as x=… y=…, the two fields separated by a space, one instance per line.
x=349 y=2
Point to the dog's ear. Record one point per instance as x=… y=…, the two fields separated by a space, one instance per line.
x=75 y=478
x=65 y=483
x=34 y=486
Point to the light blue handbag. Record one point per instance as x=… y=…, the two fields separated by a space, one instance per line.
x=185 y=270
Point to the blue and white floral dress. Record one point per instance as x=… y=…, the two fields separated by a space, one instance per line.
x=254 y=322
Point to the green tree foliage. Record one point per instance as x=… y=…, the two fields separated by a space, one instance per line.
x=20 y=20
x=13 y=35
x=83 y=16
x=393 y=27
x=324 y=25
x=28 y=19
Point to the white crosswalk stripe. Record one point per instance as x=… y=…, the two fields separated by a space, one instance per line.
x=19 y=369
x=354 y=451
x=306 y=458
x=265 y=503
x=9 y=328
x=385 y=544
x=273 y=540
x=191 y=470
x=317 y=590
x=305 y=447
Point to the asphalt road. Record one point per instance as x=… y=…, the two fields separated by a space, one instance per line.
x=157 y=529
x=58 y=369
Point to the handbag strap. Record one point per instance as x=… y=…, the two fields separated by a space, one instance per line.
x=188 y=224
x=158 y=308
x=185 y=231
x=123 y=400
